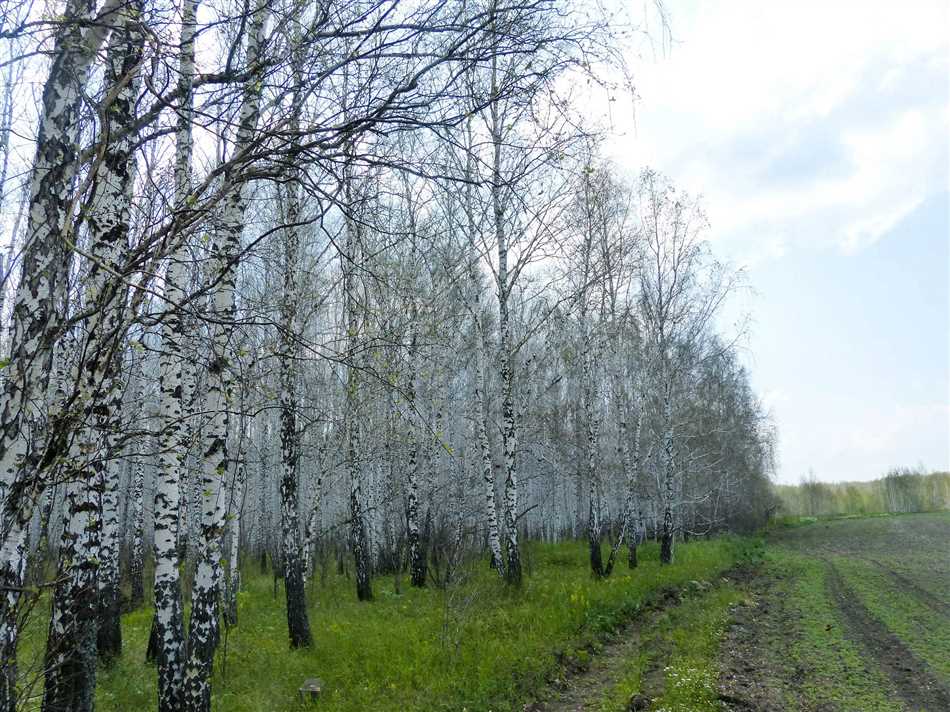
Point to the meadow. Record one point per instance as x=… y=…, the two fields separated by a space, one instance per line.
x=846 y=614
x=476 y=645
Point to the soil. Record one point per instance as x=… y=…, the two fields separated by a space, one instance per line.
x=752 y=677
x=754 y=680
x=921 y=594
x=755 y=674
x=581 y=688
x=914 y=682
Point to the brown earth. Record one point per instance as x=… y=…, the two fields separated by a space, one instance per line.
x=911 y=677
x=757 y=676
x=755 y=679
x=580 y=686
x=752 y=677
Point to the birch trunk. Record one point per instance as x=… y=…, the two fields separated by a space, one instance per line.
x=70 y=660
x=634 y=511
x=485 y=460
x=631 y=507
x=42 y=543
x=137 y=525
x=417 y=556
x=510 y=444
x=85 y=608
x=313 y=521
x=263 y=514
x=109 y=224
x=33 y=320
x=593 y=510
x=6 y=124
x=168 y=627
x=364 y=590
x=505 y=346
x=667 y=536
x=203 y=630
x=298 y=625
x=109 y=633
x=234 y=525
x=480 y=414
x=358 y=535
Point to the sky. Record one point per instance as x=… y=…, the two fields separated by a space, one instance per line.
x=819 y=137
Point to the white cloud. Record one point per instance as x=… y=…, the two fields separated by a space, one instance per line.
x=803 y=124
x=812 y=129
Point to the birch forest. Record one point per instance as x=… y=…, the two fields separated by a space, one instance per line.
x=300 y=290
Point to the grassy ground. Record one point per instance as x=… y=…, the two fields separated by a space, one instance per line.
x=913 y=545
x=911 y=619
x=848 y=614
x=477 y=646
x=680 y=647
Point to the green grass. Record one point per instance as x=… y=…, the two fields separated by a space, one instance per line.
x=922 y=630
x=683 y=644
x=791 y=521
x=695 y=631
x=833 y=670
x=478 y=646
x=836 y=670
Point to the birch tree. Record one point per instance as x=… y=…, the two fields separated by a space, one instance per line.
x=428 y=148
x=681 y=290
x=168 y=627
x=34 y=325
x=298 y=625
x=225 y=252
x=352 y=261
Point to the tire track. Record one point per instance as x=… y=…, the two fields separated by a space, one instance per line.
x=916 y=685
x=923 y=595
x=581 y=689
x=752 y=678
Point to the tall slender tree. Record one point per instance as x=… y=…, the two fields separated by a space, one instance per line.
x=298 y=625
x=203 y=631
x=168 y=627
x=34 y=326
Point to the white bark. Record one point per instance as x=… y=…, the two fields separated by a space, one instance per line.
x=506 y=354
x=235 y=511
x=484 y=455
x=313 y=522
x=70 y=661
x=417 y=562
x=479 y=382
x=298 y=624
x=169 y=624
x=225 y=249
x=137 y=522
x=90 y=544
x=34 y=323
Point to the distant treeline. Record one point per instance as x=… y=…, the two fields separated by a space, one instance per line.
x=900 y=490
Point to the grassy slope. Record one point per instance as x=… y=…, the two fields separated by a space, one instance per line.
x=476 y=647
